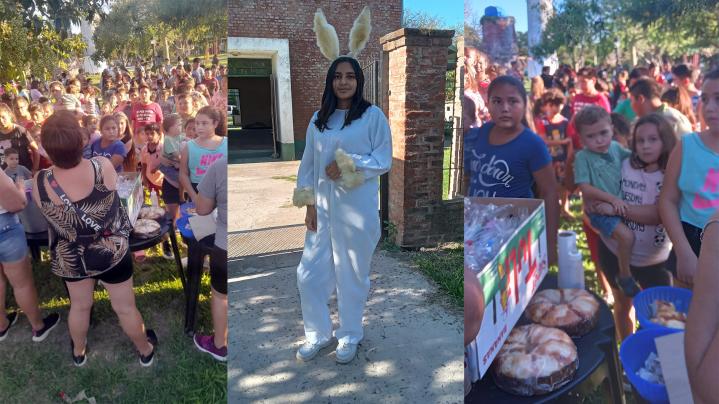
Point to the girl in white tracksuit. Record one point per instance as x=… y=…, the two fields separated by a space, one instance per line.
x=338 y=182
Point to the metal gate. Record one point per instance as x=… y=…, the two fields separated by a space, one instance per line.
x=373 y=93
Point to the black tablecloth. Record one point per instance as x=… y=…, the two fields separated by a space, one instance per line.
x=592 y=349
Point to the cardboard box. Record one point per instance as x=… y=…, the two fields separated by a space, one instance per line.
x=509 y=281
x=132 y=195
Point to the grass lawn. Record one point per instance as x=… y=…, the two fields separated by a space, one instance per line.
x=38 y=372
x=445 y=173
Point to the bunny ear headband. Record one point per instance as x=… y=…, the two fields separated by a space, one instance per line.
x=328 y=41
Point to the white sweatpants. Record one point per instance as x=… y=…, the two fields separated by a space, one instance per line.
x=341 y=262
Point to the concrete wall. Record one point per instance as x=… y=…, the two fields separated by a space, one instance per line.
x=278 y=50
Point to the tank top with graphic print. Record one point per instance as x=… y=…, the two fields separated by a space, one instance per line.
x=77 y=248
x=200 y=159
x=698 y=181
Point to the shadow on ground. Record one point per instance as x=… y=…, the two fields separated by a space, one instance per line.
x=412 y=351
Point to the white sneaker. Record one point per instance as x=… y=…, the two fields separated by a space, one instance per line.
x=345 y=352
x=309 y=350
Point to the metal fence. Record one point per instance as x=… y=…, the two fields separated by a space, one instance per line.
x=373 y=93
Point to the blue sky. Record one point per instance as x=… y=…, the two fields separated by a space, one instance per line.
x=449 y=11
x=513 y=8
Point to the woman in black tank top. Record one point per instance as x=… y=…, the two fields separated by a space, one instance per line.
x=89 y=234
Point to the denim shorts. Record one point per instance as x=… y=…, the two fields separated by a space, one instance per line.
x=13 y=246
x=604 y=224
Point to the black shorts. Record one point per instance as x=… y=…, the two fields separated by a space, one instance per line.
x=693 y=235
x=117 y=274
x=647 y=277
x=170 y=194
x=218 y=269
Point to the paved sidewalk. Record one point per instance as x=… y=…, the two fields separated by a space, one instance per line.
x=260 y=195
x=412 y=350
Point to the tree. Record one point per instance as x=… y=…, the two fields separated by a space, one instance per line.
x=522 y=44
x=577 y=29
x=24 y=52
x=41 y=15
x=421 y=20
x=131 y=25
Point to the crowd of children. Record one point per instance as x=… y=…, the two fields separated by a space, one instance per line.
x=168 y=124
x=644 y=201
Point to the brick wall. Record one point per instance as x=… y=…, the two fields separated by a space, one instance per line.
x=293 y=19
x=499 y=39
x=417 y=64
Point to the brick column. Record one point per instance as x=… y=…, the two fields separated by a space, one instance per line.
x=417 y=63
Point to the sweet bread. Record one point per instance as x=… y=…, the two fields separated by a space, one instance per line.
x=151 y=212
x=535 y=360
x=146 y=228
x=575 y=311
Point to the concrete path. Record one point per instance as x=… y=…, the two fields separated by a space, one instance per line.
x=260 y=195
x=412 y=351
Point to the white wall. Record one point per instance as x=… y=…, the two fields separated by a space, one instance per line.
x=279 y=51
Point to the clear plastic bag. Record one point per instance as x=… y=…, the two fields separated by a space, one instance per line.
x=486 y=229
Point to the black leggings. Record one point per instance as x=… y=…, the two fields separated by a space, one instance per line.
x=218 y=269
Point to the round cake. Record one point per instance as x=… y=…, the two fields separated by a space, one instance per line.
x=535 y=360
x=146 y=228
x=151 y=212
x=575 y=311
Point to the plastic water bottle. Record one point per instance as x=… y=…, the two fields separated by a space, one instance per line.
x=153 y=199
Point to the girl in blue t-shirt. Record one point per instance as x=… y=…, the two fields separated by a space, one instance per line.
x=109 y=144
x=503 y=158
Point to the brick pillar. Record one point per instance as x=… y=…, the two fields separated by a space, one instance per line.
x=417 y=63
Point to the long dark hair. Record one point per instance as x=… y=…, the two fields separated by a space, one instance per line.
x=666 y=134
x=329 y=99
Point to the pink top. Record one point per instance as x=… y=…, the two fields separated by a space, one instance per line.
x=142 y=115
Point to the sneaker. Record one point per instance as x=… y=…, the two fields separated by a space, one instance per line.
x=309 y=350
x=628 y=286
x=80 y=360
x=50 y=322
x=152 y=339
x=166 y=250
x=12 y=318
x=345 y=352
x=206 y=343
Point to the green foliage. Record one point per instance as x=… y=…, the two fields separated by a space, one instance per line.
x=131 y=26
x=24 y=51
x=41 y=15
x=388 y=243
x=578 y=27
x=592 y=28
x=446 y=267
x=523 y=43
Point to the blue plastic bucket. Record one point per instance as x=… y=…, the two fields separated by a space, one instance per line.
x=634 y=352
x=643 y=303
